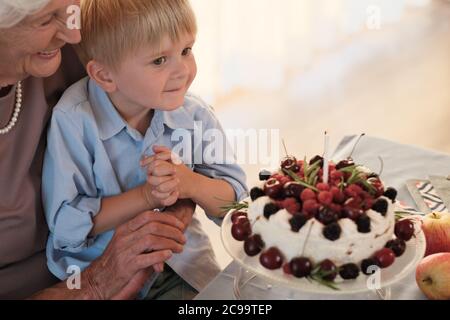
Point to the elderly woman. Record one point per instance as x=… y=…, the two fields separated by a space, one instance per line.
x=36 y=66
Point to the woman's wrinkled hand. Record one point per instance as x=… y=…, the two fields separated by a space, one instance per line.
x=138 y=248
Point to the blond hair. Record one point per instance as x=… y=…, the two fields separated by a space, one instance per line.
x=111 y=29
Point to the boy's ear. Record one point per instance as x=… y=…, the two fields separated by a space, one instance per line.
x=102 y=75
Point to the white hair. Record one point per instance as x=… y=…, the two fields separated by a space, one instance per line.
x=14 y=11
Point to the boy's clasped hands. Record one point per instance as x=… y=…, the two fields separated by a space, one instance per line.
x=168 y=179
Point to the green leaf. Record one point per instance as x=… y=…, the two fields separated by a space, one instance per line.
x=297 y=179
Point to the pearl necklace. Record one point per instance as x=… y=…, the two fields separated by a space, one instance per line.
x=16 y=113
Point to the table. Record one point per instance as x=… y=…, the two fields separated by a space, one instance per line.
x=401 y=163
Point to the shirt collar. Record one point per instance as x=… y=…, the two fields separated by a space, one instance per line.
x=111 y=123
x=180 y=118
x=108 y=119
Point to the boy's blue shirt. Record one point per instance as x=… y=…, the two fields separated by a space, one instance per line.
x=93 y=153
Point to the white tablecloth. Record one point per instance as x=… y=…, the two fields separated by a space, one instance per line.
x=401 y=163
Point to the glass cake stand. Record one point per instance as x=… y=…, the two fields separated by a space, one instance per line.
x=254 y=282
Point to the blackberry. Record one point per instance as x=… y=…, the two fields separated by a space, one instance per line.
x=256 y=193
x=332 y=231
x=398 y=246
x=391 y=193
x=270 y=209
x=349 y=271
x=368 y=266
x=363 y=223
x=381 y=206
x=326 y=215
x=264 y=175
x=297 y=222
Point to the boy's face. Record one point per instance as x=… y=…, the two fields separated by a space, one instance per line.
x=157 y=81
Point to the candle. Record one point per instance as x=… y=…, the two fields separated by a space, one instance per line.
x=325 y=158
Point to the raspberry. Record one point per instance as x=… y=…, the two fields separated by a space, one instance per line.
x=367 y=203
x=338 y=195
x=310 y=208
x=325 y=197
x=353 y=190
x=291 y=205
x=323 y=186
x=355 y=203
x=308 y=194
x=336 y=175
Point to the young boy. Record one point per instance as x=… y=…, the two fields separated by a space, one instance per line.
x=138 y=54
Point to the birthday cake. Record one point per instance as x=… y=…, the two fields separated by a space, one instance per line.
x=323 y=223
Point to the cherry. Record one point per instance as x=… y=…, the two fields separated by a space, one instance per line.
x=241 y=230
x=293 y=189
x=345 y=164
x=384 y=258
x=301 y=267
x=253 y=245
x=235 y=215
x=290 y=163
x=317 y=159
x=330 y=269
x=273 y=188
x=287 y=269
x=398 y=246
x=404 y=229
x=271 y=259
